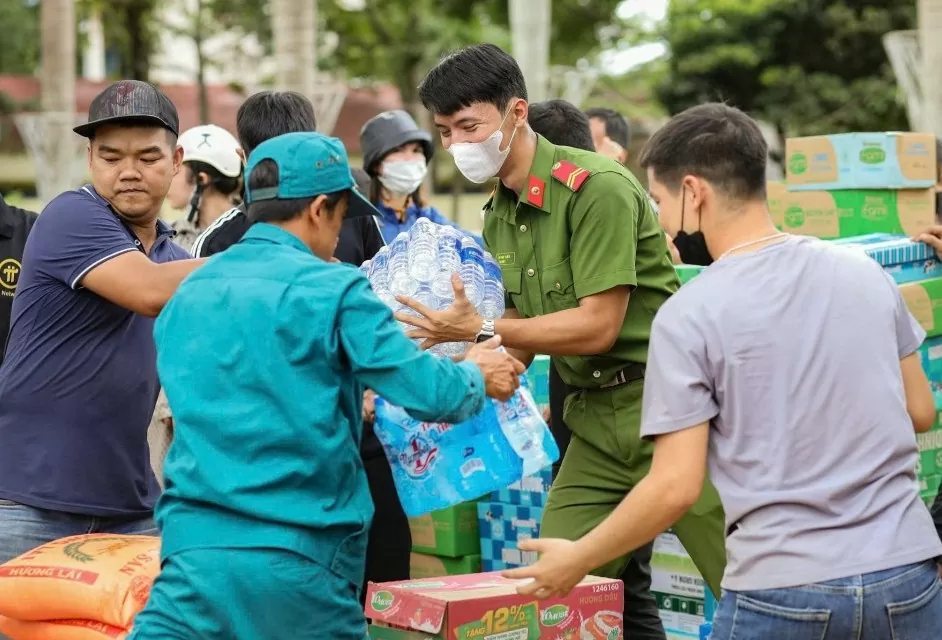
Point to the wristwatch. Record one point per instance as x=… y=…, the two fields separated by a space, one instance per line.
x=486 y=332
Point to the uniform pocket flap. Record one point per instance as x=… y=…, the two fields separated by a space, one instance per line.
x=557 y=278
x=513 y=280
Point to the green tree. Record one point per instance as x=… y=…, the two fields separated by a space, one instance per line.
x=806 y=66
x=19 y=53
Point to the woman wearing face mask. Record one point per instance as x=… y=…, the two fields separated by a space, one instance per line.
x=209 y=182
x=396 y=153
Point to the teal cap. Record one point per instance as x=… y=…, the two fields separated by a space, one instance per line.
x=309 y=164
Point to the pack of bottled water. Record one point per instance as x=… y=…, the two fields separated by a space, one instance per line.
x=437 y=465
x=419 y=264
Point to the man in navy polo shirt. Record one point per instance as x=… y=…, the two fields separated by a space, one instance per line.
x=79 y=382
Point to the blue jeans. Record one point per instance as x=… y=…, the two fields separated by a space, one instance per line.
x=24 y=528
x=898 y=604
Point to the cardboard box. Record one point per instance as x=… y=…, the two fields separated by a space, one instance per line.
x=486 y=606
x=503 y=527
x=423 y=566
x=861 y=161
x=678 y=587
x=905 y=260
x=844 y=214
x=451 y=532
x=379 y=632
x=687 y=272
x=531 y=491
x=930 y=353
x=924 y=300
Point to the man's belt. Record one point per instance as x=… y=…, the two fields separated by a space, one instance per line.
x=624 y=376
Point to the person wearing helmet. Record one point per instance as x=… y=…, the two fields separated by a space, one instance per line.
x=396 y=153
x=209 y=183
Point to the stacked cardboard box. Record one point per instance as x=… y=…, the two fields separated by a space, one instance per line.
x=485 y=605
x=510 y=516
x=853 y=184
x=446 y=542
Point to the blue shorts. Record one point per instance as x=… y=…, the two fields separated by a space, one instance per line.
x=249 y=594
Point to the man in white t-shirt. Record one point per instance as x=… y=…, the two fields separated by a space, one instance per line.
x=789 y=368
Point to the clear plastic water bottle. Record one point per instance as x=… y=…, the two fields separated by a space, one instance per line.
x=379 y=277
x=423 y=294
x=492 y=304
x=400 y=282
x=423 y=250
x=472 y=270
x=449 y=262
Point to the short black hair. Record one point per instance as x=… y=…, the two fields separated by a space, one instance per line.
x=269 y=114
x=226 y=185
x=480 y=73
x=265 y=175
x=562 y=123
x=714 y=141
x=616 y=125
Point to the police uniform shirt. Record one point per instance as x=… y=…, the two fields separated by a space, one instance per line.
x=15 y=225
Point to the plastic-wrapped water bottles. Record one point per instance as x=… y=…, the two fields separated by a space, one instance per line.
x=472 y=270
x=437 y=465
x=419 y=264
x=365 y=268
x=401 y=283
x=492 y=304
x=423 y=251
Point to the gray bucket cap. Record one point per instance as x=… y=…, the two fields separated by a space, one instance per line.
x=387 y=132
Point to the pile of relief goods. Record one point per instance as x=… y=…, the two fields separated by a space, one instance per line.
x=875 y=191
x=86 y=587
x=438 y=465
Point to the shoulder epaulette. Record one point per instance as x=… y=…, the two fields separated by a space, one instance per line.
x=570 y=175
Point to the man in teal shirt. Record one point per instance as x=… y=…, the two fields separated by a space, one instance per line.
x=264 y=354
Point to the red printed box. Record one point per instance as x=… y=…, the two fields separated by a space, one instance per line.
x=485 y=605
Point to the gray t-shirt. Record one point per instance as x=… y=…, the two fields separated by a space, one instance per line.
x=792 y=352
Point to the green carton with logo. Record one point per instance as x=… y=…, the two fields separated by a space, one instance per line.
x=924 y=300
x=451 y=532
x=486 y=606
x=881 y=160
x=853 y=212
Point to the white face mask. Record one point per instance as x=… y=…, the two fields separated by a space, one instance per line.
x=480 y=161
x=403 y=177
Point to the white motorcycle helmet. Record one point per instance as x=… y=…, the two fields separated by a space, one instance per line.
x=213 y=145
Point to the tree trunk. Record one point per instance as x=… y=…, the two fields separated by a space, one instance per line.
x=55 y=155
x=198 y=37
x=294 y=32
x=139 y=40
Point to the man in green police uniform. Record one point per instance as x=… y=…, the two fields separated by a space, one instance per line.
x=577 y=239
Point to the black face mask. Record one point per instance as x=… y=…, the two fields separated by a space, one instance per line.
x=938 y=206
x=692 y=247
